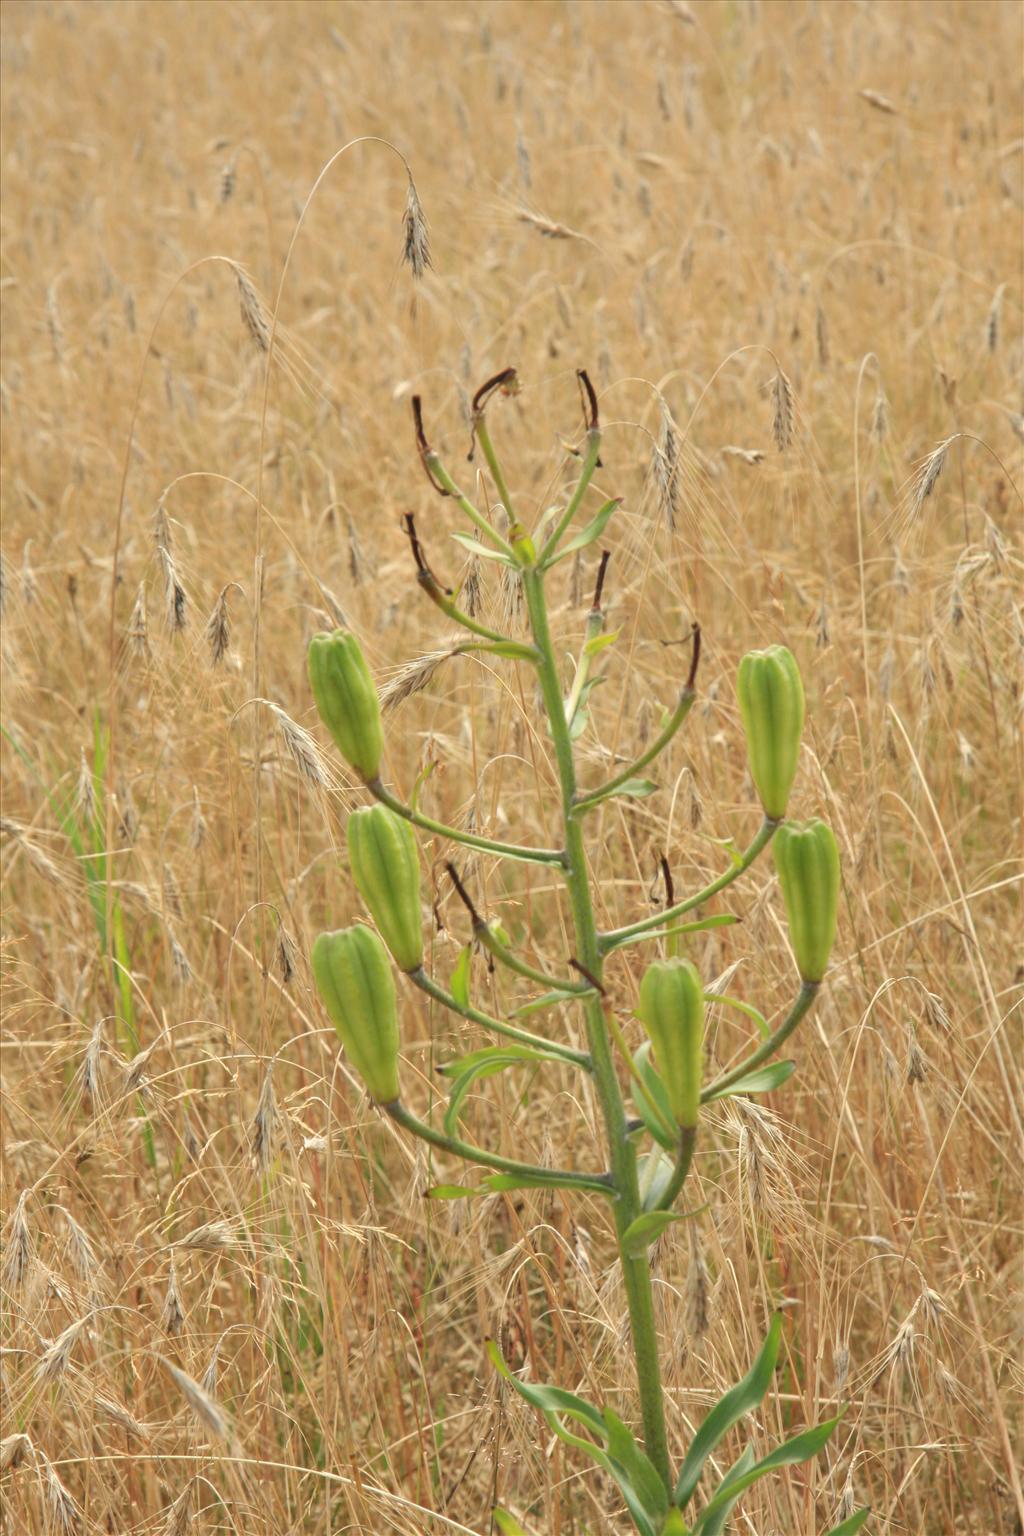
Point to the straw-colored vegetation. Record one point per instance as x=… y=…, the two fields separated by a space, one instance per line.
x=785 y=241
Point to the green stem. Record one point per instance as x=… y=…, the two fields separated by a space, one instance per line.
x=635 y=1271
x=684 y=1157
x=452 y=611
x=682 y=709
x=805 y=997
x=426 y=984
x=483 y=437
x=590 y=458
x=468 y=839
x=617 y=936
x=445 y=480
x=507 y=957
x=598 y=1182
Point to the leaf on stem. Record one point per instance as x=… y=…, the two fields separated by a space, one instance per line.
x=590 y=533
x=741 y=1399
x=646 y=1229
x=480 y=551
x=763 y=1080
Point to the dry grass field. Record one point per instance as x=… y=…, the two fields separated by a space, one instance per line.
x=785 y=240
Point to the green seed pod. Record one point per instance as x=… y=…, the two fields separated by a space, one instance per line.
x=347 y=699
x=386 y=868
x=771 y=698
x=353 y=976
x=671 y=1008
x=807 y=860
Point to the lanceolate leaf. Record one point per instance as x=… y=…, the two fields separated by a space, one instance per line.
x=850 y=1525
x=646 y=1229
x=451 y=1192
x=716 y=1522
x=460 y=977
x=634 y=789
x=645 y=1495
x=763 y=1080
x=642 y=1473
x=508 y=1054
x=657 y=1124
x=739 y=1400
x=482 y=551
x=802 y=1447
x=507 y=1524
x=487 y=1064
x=592 y=531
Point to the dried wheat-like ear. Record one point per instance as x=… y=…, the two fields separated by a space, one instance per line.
x=782 y=411
x=65 y=1515
x=207 y=1411
x=416 y=245
x=17 y=1247
x=300 y=746
x=414 y=676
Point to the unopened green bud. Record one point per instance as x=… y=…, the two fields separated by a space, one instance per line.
x=671 y=1008
x=347 y=699
x=771 y=698
x=386 y=868
x=354 y=978
x=807 y=860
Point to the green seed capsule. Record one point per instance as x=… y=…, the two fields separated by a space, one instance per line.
x=807 y=860
x=771 y=698
x=671 y=1008
x=386 y=868
x=347 y=699
x=353 y=976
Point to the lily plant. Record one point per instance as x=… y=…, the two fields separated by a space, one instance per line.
x=649 y=1137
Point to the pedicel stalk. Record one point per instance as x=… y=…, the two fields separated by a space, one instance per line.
x=647 y=1155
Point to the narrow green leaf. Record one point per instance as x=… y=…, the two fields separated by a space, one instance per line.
x=509 y=1054
x=538 y=1004
x=459 y=984
x=483 y=551
x=656 y=1124
x=592 y=531
x=851 y=1524
x=507 y=1524
x=751 y=1012
x=635 y=789
x=488 y=1063
x=550 y=1400
x=802 y=1447
x=739 y=1400
x=654 y=1171
x=640 y=1471
x=598 y=643
x=450 y=1192
x=646 y=1229
x=761 y=1081
x=716 y=1524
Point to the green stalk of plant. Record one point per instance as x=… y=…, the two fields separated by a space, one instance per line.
x=647 y=1156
